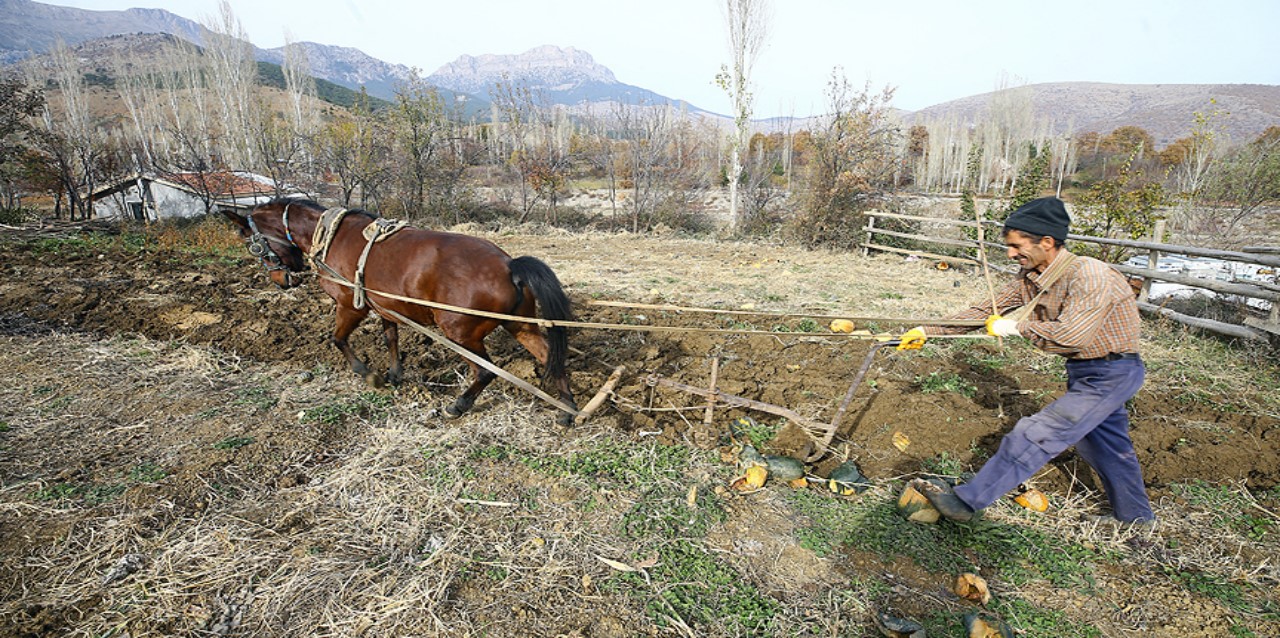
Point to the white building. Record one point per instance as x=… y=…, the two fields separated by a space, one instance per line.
x=151 y=197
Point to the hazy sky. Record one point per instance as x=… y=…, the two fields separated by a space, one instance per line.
x=931 y=51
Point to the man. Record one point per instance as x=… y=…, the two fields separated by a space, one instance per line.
x=1084 y=310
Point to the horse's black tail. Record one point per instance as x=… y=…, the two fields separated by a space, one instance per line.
x=554 y=303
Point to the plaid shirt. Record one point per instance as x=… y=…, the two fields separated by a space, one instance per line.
x=1088 y=313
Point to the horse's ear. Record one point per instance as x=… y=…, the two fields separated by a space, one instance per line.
x=237 y=218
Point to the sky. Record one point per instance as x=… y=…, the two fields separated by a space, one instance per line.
x=928 y=51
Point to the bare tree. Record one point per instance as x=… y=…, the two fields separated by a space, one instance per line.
x=512 y=116
x=665 y=160
x=1206 y=144
x=747 y=21
x=301 y=87
x=766 y=177
x=19 y=102
x=191 y=138
x=537 y=134
x=303 y=115
x=602 y=153
x=135 y=81
x=1237 y=187
x=942 y=166
x=68 y=137
x=280 y=147
x=1065 y=157
x=232 y=73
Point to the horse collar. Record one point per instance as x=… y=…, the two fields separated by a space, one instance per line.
x=284 y=218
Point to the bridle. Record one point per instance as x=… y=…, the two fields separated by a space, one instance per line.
x=259 y=245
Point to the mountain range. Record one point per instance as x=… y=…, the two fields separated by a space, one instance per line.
x=571 y=77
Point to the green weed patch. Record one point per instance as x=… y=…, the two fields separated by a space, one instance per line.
x=946 y=382
x=368 y=404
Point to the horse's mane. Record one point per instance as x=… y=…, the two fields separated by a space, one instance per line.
x=314 y=205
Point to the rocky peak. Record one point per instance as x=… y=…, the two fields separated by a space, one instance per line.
x=546 y=66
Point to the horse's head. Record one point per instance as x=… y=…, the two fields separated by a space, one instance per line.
x=266 y=233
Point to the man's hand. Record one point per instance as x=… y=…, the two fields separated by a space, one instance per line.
x=998 y=326
x=912 y=339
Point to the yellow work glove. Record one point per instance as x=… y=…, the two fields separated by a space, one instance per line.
x=998 y=326
x=912 y=339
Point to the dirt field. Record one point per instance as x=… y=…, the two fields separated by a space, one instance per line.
x=183 y=453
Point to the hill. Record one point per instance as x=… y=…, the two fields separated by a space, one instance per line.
x=98 y=59
x=1164 y=110
x=30 y=28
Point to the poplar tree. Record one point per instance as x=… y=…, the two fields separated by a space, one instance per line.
x=747 y=22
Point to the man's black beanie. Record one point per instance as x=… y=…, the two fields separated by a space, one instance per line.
x=1045 y=216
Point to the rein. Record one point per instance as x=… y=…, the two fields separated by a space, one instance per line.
x=333 y=276
x=327 y=227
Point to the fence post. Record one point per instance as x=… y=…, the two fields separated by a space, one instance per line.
x=1153 y=259
x=871 y=227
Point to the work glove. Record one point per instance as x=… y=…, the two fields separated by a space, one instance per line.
x=998 y=326
x=912 y=339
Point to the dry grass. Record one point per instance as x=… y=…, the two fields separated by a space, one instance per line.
x=385 y=540
x=729 y=274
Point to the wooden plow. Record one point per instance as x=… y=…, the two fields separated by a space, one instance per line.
x=821 y=434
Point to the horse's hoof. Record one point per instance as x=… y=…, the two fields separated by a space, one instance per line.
x=374 y=380
x=394 y=378
x=565 y=420
x=452 y=412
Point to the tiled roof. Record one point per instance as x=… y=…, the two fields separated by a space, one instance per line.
x=220 y=183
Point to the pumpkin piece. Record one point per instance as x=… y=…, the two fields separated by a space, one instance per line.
x=784 y=468
x=841 y=325
x=898 y=627
x=979 y=627
x=913 y=506
x=972 y=587
x=1032 y=499
x=901 y=441
x=757 y=475
x=847 y=479
x=751 y=480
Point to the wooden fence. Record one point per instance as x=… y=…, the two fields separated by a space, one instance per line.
x=1254 y=327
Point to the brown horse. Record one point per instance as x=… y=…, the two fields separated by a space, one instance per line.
x=446 y=268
